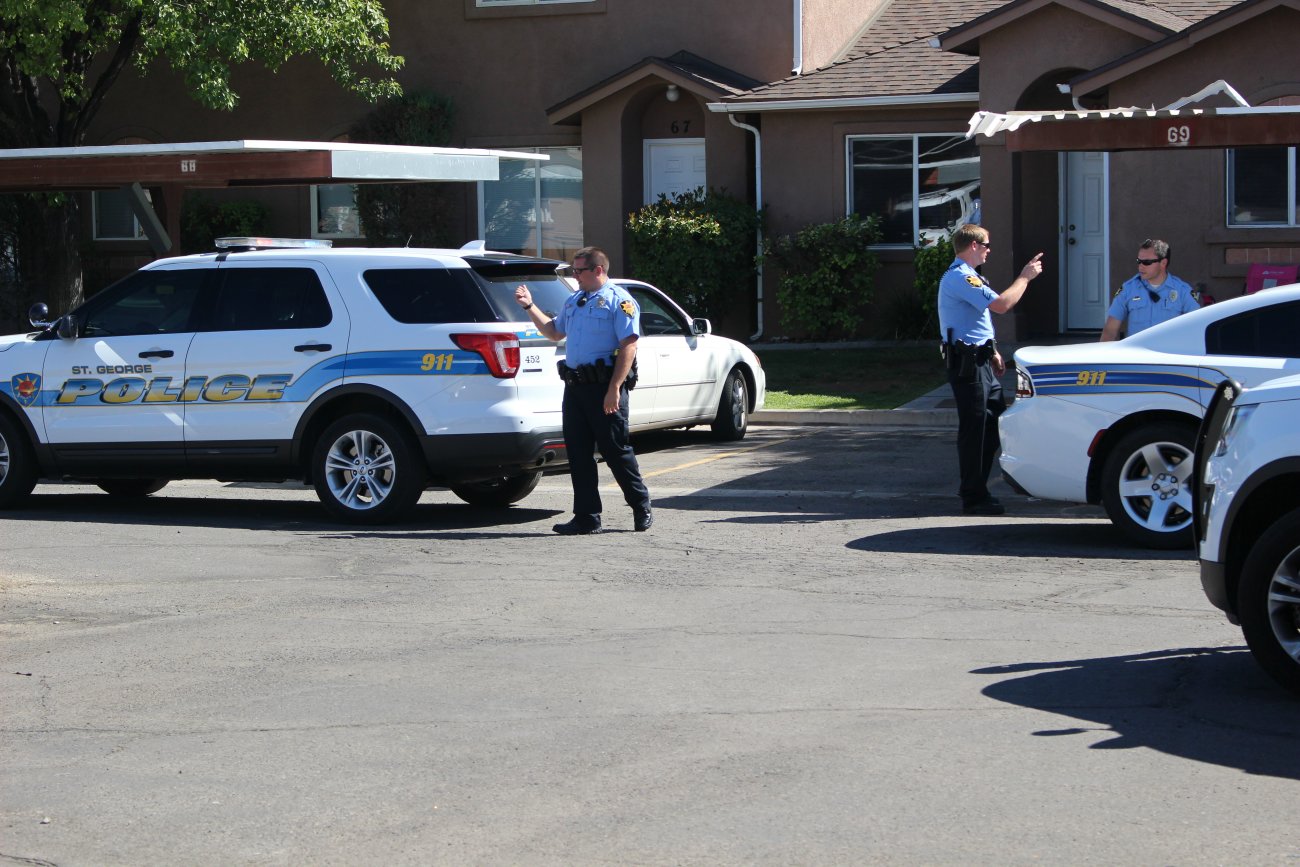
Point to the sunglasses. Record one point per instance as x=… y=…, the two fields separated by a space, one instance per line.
x=1148 y=261
x=984 y=244
x=576 y=270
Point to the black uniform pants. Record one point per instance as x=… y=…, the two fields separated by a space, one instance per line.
x=587 y=428
x=979 y=403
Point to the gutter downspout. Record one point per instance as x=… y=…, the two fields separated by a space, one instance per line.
x=797 y=65
x=758 y=199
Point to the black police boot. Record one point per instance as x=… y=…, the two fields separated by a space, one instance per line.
x=581 y=525
x=642 y=517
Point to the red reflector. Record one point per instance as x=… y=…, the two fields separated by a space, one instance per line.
x=499 y=350
x=1092 y=446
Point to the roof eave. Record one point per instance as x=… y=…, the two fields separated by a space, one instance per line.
x=920 y=100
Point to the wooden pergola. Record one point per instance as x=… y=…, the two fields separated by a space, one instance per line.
x=174 y=168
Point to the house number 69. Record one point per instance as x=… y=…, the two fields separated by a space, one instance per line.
x=1179 y=136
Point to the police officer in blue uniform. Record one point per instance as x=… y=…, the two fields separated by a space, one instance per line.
x=601 y=323
x=973 y=362
x=1151 y=296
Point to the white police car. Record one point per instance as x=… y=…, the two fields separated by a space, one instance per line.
x=1113 y=423
x=368 y=373
x=1247 y=517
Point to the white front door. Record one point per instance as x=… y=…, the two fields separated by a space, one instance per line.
x=1085 y=187
x=672 y=166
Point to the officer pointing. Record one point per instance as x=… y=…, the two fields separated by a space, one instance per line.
x=600 y=324
x=973 y=361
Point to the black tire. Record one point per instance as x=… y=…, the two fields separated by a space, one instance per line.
x=367 y=470
x=18 y=470
x=498 y=493
x=732 y=419
x=1268 y=600
x=1146 y=485
x=131 y=487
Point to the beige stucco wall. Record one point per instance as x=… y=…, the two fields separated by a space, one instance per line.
x=829 y=26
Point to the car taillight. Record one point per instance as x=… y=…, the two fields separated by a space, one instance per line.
x=1024 y=383
x=500 y=351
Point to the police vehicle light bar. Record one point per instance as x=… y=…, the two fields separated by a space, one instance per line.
x=270 y=243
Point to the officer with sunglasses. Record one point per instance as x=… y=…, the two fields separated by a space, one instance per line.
x=1152 y=296
x=600 y=324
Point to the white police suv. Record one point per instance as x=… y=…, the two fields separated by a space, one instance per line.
x=1114 y=423
x=1247 y=517
x=368 y=373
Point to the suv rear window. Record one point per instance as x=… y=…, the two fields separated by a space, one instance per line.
x=499 y=282
x=429 y=296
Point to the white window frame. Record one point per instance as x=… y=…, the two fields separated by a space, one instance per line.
x=1228 y=194
x=916 y=195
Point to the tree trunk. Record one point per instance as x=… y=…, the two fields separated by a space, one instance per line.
x=47 y=259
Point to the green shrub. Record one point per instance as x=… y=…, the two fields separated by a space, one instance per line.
x=698 y=246
x=931 y=263
x=396 y=215
x=204 y=220
x=827 y=275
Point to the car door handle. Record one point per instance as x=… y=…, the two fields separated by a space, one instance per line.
x=157 y=353
x=313 y=347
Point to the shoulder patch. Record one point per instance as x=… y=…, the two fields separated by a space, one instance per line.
x=628 y=307
x=973 y=280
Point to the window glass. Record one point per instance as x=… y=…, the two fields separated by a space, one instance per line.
x=526 y=2
x=549 y=291
x=262 y=299
x=1267 y=332
x=429 y=295
x=1258 y=186
x=535 y=208
x=334 y=211
x=656 y=318
x=146 y=302
x=921 y=187
x=114 y=219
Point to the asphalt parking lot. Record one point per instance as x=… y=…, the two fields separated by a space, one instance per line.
x=810 y=659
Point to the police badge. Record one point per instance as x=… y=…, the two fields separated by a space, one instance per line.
x=973 y=280
x=628 y=308
x=26 y=387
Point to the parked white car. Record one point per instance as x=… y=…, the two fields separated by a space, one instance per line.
x=1113 y=423
x=689 y=375
x=1247 y=485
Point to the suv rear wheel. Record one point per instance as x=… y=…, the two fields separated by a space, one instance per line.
x=1146 y=485
x=495 y=493
x=367 y=470
x=17 y=465
x=1268 y=600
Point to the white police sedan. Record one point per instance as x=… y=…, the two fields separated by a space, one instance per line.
x=1114 y=423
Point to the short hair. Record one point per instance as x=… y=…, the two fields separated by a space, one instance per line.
x=1160 y=248
x=968 y=236
x=593 y=256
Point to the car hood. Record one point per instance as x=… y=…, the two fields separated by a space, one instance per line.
x=10 y=340
x=1110 y=353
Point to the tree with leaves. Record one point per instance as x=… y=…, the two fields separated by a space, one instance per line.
x=59 y=58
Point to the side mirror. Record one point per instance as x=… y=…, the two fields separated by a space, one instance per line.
x=67 y=327
x=701 y=326
x=39 y=315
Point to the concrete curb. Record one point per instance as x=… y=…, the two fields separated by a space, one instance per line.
x=942 y=419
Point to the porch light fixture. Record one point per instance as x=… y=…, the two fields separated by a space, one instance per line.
x=673 y=93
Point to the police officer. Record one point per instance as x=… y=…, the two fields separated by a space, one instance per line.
x=601 y=323
x=974 y=365
x=1151 y=296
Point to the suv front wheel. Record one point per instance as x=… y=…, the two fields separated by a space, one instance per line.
x=17 y=465
x=367 y=470
x=1268 y=600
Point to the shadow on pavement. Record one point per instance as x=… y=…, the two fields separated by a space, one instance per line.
x=1207 y=704
x=1061 y=538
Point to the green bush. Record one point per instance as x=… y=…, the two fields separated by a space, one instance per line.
x=828 y=275
x=931 y=263
x=698 y=246
x=397 y=215
x=204 y=220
